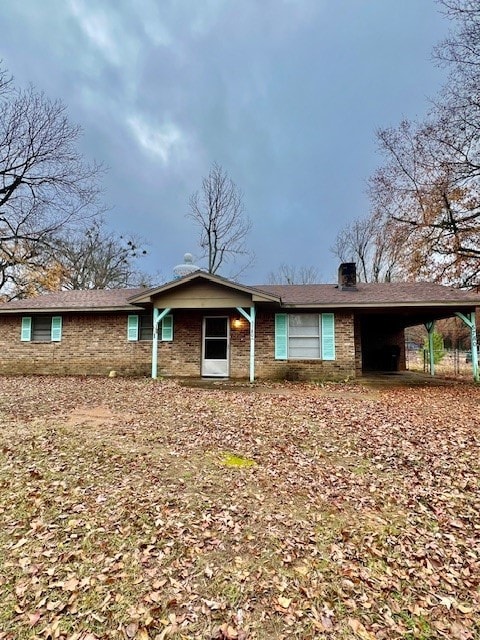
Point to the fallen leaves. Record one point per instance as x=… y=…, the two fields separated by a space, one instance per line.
x=284 y=602
x=359 y=630
x=359 y=516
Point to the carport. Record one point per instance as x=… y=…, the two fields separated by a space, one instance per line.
x=382 y=332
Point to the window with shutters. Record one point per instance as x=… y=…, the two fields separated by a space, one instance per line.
x=41 y=329
x=305 y=336
x=140 y=327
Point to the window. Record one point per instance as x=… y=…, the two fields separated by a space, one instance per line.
x=304 y=336
x=41 y=329
x=145 y=326
x=140 y=327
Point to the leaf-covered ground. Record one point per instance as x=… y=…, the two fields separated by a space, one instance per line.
x=138 y=509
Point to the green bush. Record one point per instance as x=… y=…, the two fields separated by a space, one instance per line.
x=438 y=347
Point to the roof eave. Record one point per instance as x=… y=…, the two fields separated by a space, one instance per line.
x=379 y=305
x=257 y=294
x=129 y=307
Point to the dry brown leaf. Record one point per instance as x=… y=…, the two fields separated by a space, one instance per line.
x=228 y=632
x=71 y=584
x=131 y=629
x=359 y=629
x=33 y=618
x=284 y=602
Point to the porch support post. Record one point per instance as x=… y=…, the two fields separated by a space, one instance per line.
x=469 y=320
x=252 y=344
x=251 y=319
x=429 y=326
x=157 y=318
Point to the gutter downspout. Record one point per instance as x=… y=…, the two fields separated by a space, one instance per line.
x=157 y=318
x=251 y=319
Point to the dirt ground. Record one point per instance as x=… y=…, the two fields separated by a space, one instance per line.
x=138 y=509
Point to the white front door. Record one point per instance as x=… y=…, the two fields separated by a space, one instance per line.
x=215 y=347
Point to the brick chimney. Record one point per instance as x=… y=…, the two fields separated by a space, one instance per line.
x=347 y=276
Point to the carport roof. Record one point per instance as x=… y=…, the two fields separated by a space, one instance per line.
x=367 y=295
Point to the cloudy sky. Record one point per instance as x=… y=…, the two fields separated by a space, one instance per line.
x=285 y=95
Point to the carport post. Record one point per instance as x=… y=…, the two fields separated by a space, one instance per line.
x=429 y=326
x=469 y=320
x=473 y=330
x=157 y=318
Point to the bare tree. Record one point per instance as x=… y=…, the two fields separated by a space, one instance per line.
x=460 y=54
x=290 y=274
x=429 y=184
x=375 y=245
x=424 y=193
x=45 y=183
x=96 y=258
x=86 y=258
x=218 y=212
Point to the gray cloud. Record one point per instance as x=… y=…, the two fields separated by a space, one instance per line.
x=285 y=95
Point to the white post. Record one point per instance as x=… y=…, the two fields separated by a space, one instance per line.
x=156 y=314
x=252 y=344
x=157 y=318
x=251 y=320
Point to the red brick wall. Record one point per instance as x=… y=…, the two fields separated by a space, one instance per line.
x=183 y=356
x=96 y=344
x=91 y=344
x=267 y=367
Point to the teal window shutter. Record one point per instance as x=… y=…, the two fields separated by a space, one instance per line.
x=167 y=328
x=26 y=334
x=328 y=336
x=56 y=334
x=132 y=328
x=281 y=336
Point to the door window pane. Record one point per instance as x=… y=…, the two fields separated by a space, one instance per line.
x=216 y=327
x=215 y=349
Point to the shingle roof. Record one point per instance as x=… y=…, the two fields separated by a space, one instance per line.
x=393 y=294
x=371 y=294
x=94 y=299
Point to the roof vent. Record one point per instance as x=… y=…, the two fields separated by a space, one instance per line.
x=347 y=276
x=186 y=268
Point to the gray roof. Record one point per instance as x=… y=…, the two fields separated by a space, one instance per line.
x=85 y=300
x=371 y=295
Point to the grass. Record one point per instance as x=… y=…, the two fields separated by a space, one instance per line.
x=133 y=509
x=237 y=462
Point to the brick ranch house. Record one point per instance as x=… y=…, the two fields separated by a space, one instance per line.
x=205 y=325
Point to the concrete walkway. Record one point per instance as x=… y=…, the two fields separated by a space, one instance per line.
x=409 y=379
x=370 y=379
